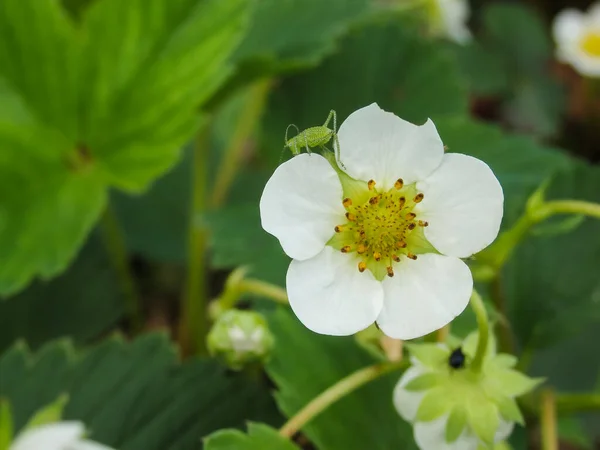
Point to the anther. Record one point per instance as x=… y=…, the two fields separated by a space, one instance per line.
x=377 y=256
x=410 y=216
x=390 y=271
x=401 y=202
x=362 y=266
x=418 y=197
x=399 y=183
x=339 y=228
x=374 y=200
x=401 y=244
x=412 y=256
x=412 y=225
x=351 y=217
x=346 y=249
x=361 y=249
x=396 y=258
x=371 y=184
x=347 y=202
x=423 y=223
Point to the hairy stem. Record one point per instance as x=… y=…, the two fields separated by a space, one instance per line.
x=193 y=325
x=483 y=325
x=114 y=241
x=247 y=123
x=548 y=421
x=264 y=289
x=331 y=395
x=567 y=207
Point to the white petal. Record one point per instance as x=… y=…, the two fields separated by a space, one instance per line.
x=56 y=436
x=593 y=13
x=584 y=64
x=432 y=436
x=301 y=205
x=407 y=402
x=463 y=204
x=424 y=295
x=505 y=429
x=567 y=27
x=378 y=145
x=455 y=14
x=330 y=296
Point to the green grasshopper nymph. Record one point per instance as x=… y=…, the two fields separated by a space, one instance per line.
x=314 y=137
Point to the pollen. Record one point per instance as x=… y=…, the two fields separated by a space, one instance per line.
x=381 y=227
x=590 y=43
x=423 y=223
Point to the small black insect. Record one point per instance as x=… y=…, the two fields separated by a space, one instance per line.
x=457 y=359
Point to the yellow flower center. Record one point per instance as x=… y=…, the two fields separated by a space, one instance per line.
x=382 y=229
x=590 y=43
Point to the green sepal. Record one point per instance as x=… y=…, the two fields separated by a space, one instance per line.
x=457 y=421
x=433 y=405
x=424 y=382
x=504 y=361
x=483 y=419
x=509 y=410
x=6 y=425
x=469 y=346
x=357 y=190
x=49 y=414
x=513 y=384
x=430 y=355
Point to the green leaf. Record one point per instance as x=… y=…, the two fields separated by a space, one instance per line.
x=430 y=355
x=570 y=430
x=259 y=437
x=304 y=364
x=49 y=414
x=83 y=303
x=433 y=405
x=424 y=382
x=551 y=283
x=414 y=78
x=509 y=410
x=6 y=425
x=134 y=395
x=122 y=127
x=482 y=417
x=457 y=421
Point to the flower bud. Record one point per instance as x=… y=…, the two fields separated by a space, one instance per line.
x=240 y=338
x=453 y=405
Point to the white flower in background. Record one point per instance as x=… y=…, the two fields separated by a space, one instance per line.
x=449 y=18
x=55 y=436
x=577 y=37
x=452 y=407
x=383 y=241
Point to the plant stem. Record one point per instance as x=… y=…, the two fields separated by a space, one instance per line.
x=483 y=324
x=264 y=289
x=331 y=395
x=548 y=421
x=506 y=341
x=247 y=123
x=117 y=252
x=193 y=325
x=567 y=207
x=573 y=403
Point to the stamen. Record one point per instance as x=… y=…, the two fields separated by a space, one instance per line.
x=361 y=249
x=351 y=217
x=400 y=244
x=347 y=202
x=410 y=216
x=399 y=183
x=339 y=228
x=374 y=200
x=423 y=223
x=346 y=249
x=377 y=256
x=412 y=225
x=362 y=266
x=396 y=258
x=412 y=256
x=401 y=202
x=390 y=271
x=418 y=198
x=371 y=184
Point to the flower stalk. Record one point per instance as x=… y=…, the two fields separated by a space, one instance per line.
x=483 y=325
x=334 y=393
x=548 y=421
